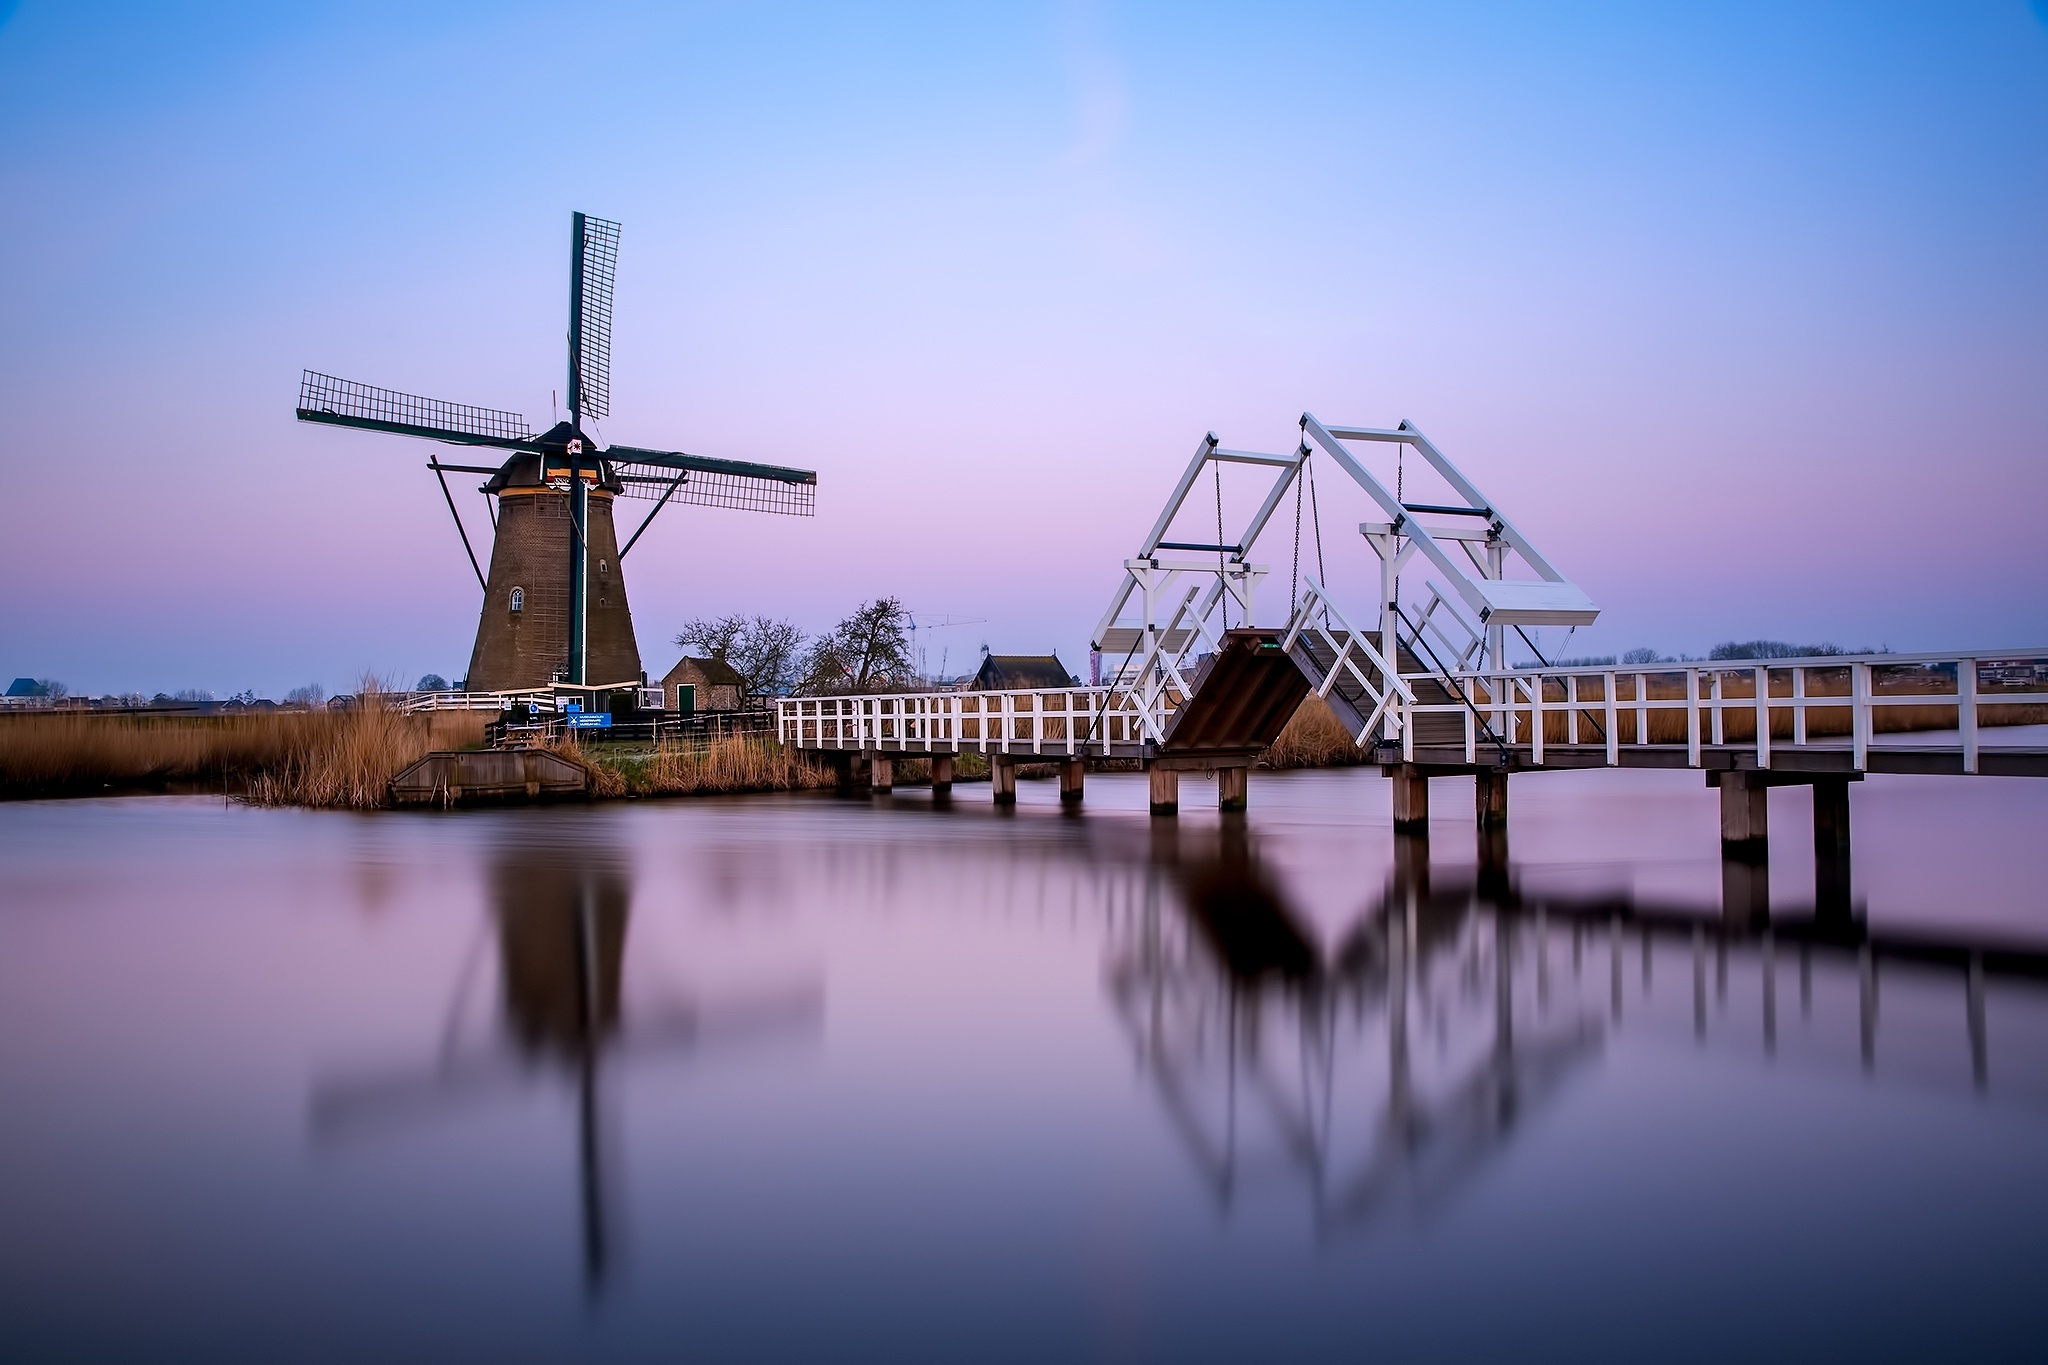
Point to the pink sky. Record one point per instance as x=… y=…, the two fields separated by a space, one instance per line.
x=1743 y=316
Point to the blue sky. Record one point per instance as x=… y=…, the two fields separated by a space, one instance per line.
x=1740 y=311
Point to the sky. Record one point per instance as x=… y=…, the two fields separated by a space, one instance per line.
x=1740 y=311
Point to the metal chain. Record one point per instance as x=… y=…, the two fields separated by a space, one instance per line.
x=1294 y=587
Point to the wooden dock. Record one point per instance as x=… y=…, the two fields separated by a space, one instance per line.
x=469 y=777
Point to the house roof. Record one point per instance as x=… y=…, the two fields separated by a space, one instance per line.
x=714 y=672
x=1004 y=672
x=24 y=687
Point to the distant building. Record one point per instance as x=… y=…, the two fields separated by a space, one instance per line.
x=1017 y=672
x=718 y=687
x=24 y=687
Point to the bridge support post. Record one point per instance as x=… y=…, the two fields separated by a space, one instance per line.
x=1745 y=815
x=1233 y=788
x=1745 y=846
x=1493 y=864
x=1165 y=791
x=1002 y=778
x=1490 y=799
x=1411 y=866
x=1070 y=781
x=942 y=774
x=1745 y=891
x=1831 y=848
x=846 y=771
x=881 y=773
x=1411 y=798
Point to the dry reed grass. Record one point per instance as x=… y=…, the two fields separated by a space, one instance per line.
x=1313 y=738
x=301 y=757
x=740 y=763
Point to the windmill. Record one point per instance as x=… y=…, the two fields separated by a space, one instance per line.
x=555 y=545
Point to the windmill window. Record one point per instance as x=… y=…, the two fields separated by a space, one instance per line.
x=518 y=599
x=604 y=570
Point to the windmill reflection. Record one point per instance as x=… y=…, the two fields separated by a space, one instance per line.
x=559 y=915
x=1258 y=1043
x=562 y=948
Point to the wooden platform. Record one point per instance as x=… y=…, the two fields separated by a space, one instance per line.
x=470 y=777
x=1244 y=697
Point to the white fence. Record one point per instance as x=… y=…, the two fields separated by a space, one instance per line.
x=1830 y=702
x=1049 y=721
x=1765 y=707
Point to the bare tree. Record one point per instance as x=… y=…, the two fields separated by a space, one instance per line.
x=760 y=649
x=867 y=651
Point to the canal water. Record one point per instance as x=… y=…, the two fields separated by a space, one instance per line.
x=808 y=1078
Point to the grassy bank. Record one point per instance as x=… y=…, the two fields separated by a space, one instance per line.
x=319 y=758
x=727 y=766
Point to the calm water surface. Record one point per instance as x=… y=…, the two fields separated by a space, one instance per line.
x=810 y=1078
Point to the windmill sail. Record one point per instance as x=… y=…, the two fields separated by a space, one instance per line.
x=714 y=483
x=343 y=402
x=592 y=270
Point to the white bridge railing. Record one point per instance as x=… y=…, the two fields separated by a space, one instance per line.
x=1050 y=721
x=1353 y=654
x=1830 y=702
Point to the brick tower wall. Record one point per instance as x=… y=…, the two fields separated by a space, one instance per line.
x=524 y=648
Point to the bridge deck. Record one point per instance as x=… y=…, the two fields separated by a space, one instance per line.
x=1917 y=759
x=1794 y=717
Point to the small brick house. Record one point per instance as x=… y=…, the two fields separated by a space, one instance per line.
x=718 y=687
x=1016 y=672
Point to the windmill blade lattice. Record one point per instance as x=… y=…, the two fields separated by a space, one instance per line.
x=597 y=265
x=344 y=402
x=707 y=482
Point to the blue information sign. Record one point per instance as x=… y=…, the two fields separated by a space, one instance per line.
x=598 y=720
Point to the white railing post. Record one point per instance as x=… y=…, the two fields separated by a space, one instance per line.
x=1719 y=737
x=1642 y=708
x=1859 y=714
x=1471 y=733
x=1763 y=718
x=1536 y=720
x=1571 y=704
x=1692 y=717
x=1799 y=707
x=1613 y=726
x=1966 y=710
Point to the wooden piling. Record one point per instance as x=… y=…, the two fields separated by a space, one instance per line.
x=1745 y=815
x=1002 y=778
x=1490 y=799
x=1165 y=791
x=1745 y=891
x=942 y=774
x=1070 y=781
x=1411 y=798
x=881 y=773
x=1233 y=788
x=1831 y=848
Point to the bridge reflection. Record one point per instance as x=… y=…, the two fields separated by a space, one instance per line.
x=1385 y=1072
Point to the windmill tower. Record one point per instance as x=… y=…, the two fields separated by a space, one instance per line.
x=555 y=605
